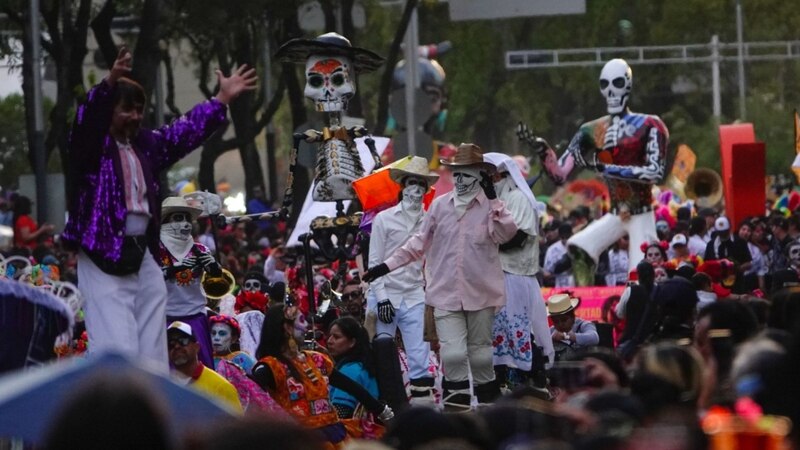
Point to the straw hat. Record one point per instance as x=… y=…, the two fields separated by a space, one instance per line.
x=467 y=155
x=179 y=204
x=417 y=167
x=561 y=304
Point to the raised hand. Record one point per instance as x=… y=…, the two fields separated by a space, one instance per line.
x=242 y=79
x=488 y=185
x=536 y=143
x=122 y=65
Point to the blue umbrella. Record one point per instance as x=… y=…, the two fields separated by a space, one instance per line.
x=30 y=400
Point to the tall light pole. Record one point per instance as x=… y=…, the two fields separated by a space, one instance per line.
x=740 y=42
x=40 y=165
x=412 y=80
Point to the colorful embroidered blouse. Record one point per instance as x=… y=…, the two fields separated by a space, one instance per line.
x=305 y=399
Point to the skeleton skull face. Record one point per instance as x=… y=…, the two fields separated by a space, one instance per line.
x=221 y=338
x=177 y=225
x=794 y=254
x=465 y=181
x=329 y=82
x=616 y=80
x=413 y=192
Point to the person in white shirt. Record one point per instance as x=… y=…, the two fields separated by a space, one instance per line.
x=525 y=310
x=618 y=263
x=400 y=294
x=697 y=242
x=556 y=259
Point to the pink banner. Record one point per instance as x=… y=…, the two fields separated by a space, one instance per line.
x=592 y=299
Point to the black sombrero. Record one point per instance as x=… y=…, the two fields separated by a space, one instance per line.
x=298 y=50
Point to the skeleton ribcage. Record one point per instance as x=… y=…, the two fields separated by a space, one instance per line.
x=338 y=165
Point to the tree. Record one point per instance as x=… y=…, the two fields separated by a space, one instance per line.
x=13 y=143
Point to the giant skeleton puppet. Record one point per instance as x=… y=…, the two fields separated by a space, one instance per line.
x=629 y=150
x=183 y=262
x=331 y=65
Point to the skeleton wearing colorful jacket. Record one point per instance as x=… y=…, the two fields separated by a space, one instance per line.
x=183 y=262
x=629 y=151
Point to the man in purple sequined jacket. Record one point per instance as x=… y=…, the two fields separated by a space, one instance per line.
x=114 y=205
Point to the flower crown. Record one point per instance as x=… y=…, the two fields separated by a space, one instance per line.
x=663 y=245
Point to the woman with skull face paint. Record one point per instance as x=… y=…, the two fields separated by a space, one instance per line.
x=401 y=295
x=183 y=262
x=460 y=238
x=225 y=332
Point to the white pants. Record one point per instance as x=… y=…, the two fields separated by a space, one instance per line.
x=602 y=233
x=411 y=322
x=466 y=344
x=125 y=314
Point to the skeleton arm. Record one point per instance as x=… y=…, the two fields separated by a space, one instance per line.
x=557 y=169
x=653 y=169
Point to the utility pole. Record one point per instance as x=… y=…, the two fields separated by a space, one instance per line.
x=40 y=156
x=412 y=79
x=740 y=42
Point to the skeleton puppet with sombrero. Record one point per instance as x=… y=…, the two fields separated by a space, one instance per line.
x=331 y=65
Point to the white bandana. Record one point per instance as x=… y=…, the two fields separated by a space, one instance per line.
x=465 y=187
x=177 y=238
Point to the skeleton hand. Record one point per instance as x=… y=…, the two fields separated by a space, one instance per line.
x=387 y=414
x=385 y=311
x=210 y=264
x=189 y=261
x=536 y=143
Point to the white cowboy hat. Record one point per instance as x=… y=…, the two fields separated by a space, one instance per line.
x=417 y=167
x=179 y=204
x=561 y=304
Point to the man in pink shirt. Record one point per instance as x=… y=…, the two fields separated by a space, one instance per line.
x=460 y=238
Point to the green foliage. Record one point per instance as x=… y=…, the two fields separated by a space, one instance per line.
x=13 y=144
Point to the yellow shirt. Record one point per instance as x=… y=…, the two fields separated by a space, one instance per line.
x=216 y=386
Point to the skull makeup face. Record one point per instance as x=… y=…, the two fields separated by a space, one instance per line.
x=221 y=338
x=178 y=226
x=794 y=254
x=465 y=181
x=413 y=192
x=329 y=82
x=616 y=80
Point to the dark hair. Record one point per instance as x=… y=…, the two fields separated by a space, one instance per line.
x=697 y=226
x=122 y=411
x=564 y=230
x=256 y=432
x=129 y=93
x=701 y=281
x=22 y=207
x=274 y=338
x=361 y=352
x=647 y=275
x=785 y=309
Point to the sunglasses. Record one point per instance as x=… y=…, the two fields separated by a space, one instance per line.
x=352 y=295
x=183 y=341
x=179 y=217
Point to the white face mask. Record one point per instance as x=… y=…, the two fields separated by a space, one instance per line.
x=465 y=182
x=221 y=338
x=412 y=197
x=177 y=237
x=794 y=255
